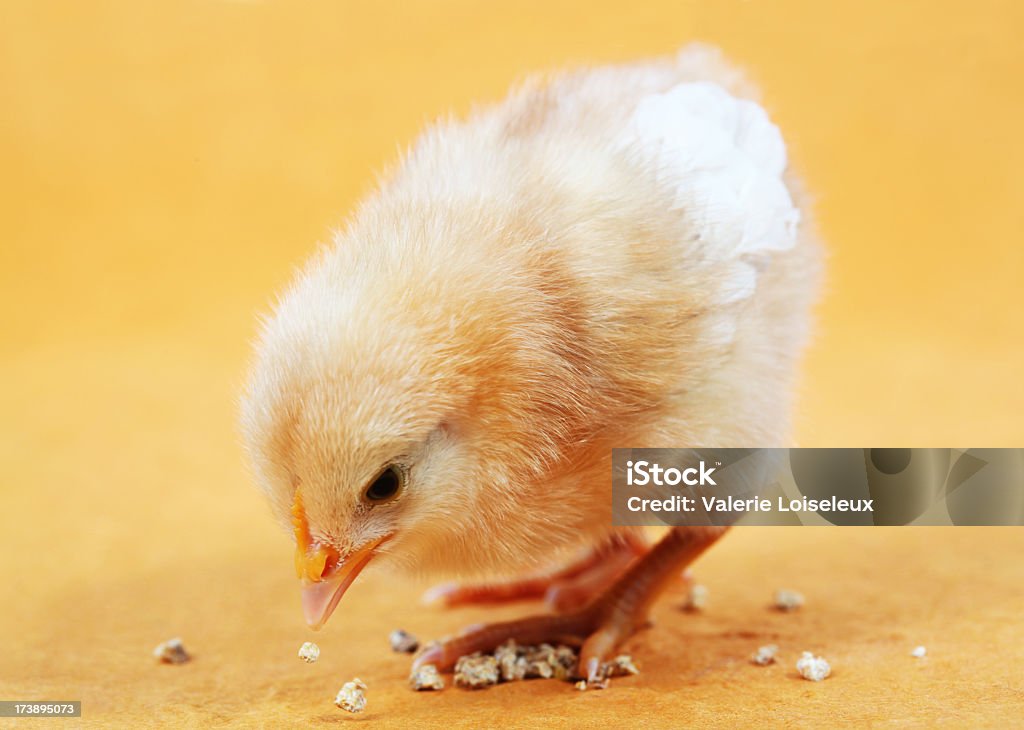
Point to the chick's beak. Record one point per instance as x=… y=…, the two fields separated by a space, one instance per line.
x=326 y=575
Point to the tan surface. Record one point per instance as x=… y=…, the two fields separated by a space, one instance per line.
x=872 y=596
x=163 y=170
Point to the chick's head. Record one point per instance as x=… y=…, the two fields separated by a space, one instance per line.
x=350 y=419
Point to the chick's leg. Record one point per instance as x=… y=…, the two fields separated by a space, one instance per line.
x=602 y=624
x=596 y=568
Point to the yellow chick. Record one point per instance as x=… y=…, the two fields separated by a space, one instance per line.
x=610 y=257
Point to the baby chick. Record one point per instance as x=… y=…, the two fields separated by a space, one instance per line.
x=610 y=257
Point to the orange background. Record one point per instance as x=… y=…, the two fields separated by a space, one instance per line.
x=166 y=165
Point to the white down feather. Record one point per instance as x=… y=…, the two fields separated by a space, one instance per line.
x=724 y=159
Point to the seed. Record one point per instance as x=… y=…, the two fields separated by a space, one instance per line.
x=811 y=667
x=403 y=642
x=787 y=600
x=697 y=598
x=351 y=697
x=476 y=671
x=765 y=655
x=309 y=652
x=426 y=678
x=172 y=651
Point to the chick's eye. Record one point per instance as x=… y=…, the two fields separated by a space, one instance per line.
x=385 y=486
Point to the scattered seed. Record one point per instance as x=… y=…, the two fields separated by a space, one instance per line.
x=765 y=655
x=546 y=661
x=351 y=697
x=919 y=652
x=403 y=642
x=476 y=671
x=172 y=651
x=621 y=666
x=426 y=678
x=811 y=667
x=696 y=598
x=309 y=652
x=538 y=670
x=787 y=600
x=510 y=664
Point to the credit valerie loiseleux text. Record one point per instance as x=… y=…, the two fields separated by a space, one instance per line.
x=644 y=473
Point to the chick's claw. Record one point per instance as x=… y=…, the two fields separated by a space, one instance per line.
x=595 y=630
x=568 y=594
x=455 y=594
x=570 y=629
x=563 y=589
x=599 y=626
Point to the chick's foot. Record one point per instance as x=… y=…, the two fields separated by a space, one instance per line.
x=569 y=587
x=597 y=627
